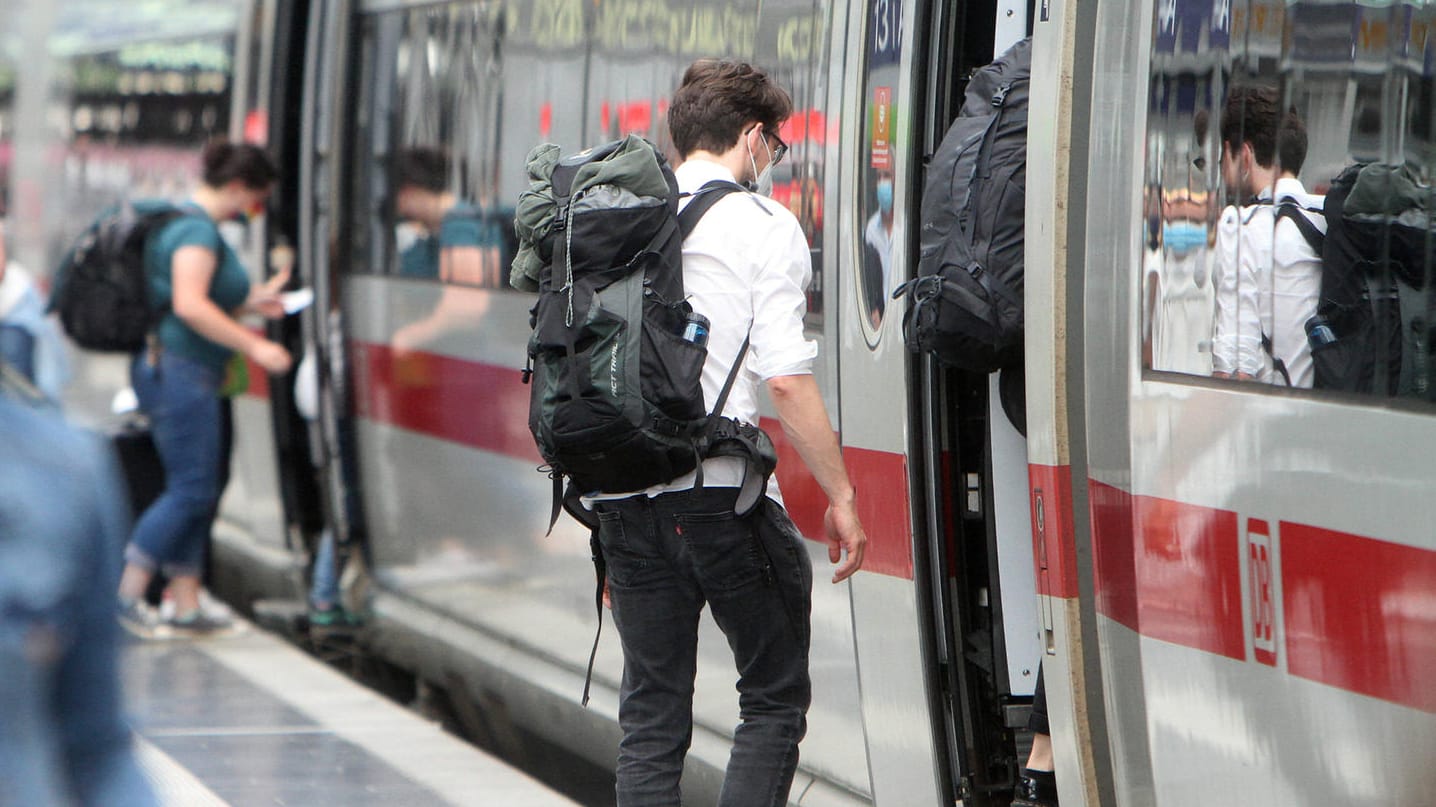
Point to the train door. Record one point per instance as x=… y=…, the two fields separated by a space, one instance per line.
x=270 y=459
x=981 y=593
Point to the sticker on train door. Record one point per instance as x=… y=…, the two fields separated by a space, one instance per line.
x=1262 y=588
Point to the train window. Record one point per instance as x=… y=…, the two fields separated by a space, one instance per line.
x=425 y=165
x=884 y=56
x=1289 y=195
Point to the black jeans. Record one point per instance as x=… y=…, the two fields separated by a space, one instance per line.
x=668 y=556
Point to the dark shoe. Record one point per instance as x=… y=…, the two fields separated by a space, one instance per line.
x=1035 y=789
x=201 y=623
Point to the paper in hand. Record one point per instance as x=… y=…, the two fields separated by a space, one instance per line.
x=297 y=300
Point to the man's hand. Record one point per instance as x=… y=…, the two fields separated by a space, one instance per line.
x=844 y=533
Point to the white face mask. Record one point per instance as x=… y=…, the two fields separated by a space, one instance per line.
x=763 y=183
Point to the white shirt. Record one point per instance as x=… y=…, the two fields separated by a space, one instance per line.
x=746 y=267
x=1244 y=245
x=1268 y=282
x=1295 y=284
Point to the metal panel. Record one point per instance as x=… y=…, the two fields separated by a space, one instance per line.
x=897 y=716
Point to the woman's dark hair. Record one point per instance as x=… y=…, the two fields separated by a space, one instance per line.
x=422 y=167
x=224 y=162
x=715 y=100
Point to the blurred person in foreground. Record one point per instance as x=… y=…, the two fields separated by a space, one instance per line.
x=179 y=379
x=62 y=523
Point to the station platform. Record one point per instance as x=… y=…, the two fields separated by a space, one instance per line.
x=249 y=719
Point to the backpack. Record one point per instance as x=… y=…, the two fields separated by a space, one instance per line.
x=966 y=306
x=615 y=358
x=1374 y=244
x=101 y=292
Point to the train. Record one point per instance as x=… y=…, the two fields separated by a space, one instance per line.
x=1229 y=585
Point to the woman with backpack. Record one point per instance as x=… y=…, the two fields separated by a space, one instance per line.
x=197 y=280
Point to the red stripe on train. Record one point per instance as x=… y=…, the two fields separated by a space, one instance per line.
x=1360 y=614
x=478 y=405
x=1054 y=550
x=1168 y=570
x=486 y=407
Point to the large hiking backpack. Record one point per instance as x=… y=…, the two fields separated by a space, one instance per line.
x=1374 y=244
x=966 y=306
x=101 y=293
x=617 y=399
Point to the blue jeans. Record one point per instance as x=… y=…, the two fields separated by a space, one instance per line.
x=668 y=556
x=181 y=398
x=329 y=566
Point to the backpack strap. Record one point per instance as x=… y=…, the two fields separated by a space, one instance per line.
x=701 y=200
x=1290 y=210
x=1293 y=211
x=1276 y=364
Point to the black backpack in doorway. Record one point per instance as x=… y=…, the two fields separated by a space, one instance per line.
x=101 y=292
x=1376 y=242
x=966 y=301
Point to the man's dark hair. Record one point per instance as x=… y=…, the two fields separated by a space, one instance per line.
x=421 y=167
x=224 y=162
x=1251 y=116
x=717 y=98
x=1291 y=142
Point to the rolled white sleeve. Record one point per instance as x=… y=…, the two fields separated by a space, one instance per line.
x=779 y=305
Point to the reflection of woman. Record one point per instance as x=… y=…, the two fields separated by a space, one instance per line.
x=194 y=274
x=878 y=250
x=463 y=247
x=456 y=246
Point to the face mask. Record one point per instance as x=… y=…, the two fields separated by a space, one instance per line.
x=885 y=195
x=1183 y=236
x=763 y=185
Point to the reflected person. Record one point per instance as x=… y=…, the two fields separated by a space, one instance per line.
x=456 y=248
x=1248 y=341
x=878 y=250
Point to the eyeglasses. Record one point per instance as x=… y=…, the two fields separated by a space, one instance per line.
x=780 y=150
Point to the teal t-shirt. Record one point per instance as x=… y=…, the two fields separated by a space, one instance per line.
x=228 y=288
x=462 y=226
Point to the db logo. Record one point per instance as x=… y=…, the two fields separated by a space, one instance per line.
x=1259 y=581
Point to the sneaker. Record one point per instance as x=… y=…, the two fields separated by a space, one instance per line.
x=335 y=616
x=199 y=623
x=208 y=604
x=1035 y=789
x=137 y=617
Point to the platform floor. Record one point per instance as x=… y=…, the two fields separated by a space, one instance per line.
x=248 y=720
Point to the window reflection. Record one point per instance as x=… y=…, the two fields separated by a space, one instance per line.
x=427 y=162
x=884 y=38
x=1288 y=197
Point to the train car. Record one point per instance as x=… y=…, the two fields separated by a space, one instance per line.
x=1228 y=582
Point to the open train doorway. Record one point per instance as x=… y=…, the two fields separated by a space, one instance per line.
x=986 y=628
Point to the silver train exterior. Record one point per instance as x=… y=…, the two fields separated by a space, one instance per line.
x=1235 y=584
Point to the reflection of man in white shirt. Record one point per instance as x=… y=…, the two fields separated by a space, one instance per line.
x=878 y=250
x=1268 y=278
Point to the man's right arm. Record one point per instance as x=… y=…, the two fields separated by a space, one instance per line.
x=805 y=420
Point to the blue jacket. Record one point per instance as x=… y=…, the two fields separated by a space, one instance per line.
x=62 y=528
